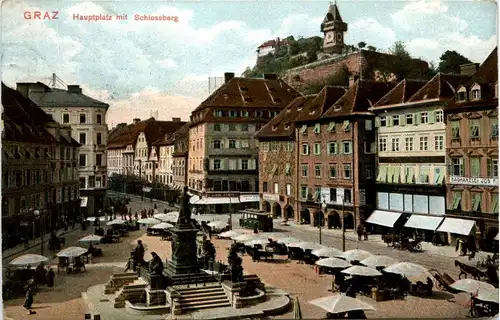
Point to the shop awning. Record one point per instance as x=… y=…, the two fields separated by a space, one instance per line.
x=384 y=218
x=457 y=226
x=423 y=222
x=83 y=204
x=146 y=189
x=219 y=200
x=193 y=199
x=496 y=237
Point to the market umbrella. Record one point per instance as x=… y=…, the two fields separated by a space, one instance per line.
x=92 y=219
x=406 y=269
x=288 y=240
x=340 y=304
x=28 y=259
x=162 y=216
x=378 y=261
x=489 y=295
x=355 y=255
x=245 y=237
x=333 y=263
x=162 y=226
x=362 y=271
x=71 y=252
x=230 y=234
x=91 y=239
x=304 y=245
x=116 y=221
x=253 y=242
x=297 y=313
x=218 y=224
x=471 y=285
x=326 y=252
x=149 y=221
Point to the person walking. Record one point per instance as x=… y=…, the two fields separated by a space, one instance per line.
x=29 y=296
x=359 y=231
x=50 y=278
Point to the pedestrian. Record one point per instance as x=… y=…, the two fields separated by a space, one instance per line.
x=130 y=263
x=50 y=278
x=365 y=234
x=359 y=231
x=29 y=296
x=26 y=241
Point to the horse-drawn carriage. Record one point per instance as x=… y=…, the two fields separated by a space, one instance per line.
x=402 y=242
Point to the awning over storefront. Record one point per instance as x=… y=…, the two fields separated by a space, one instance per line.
x=496 y=237
x=146 y=189
x=423 y=222
x=83 y=204
x=194 y=199
x=384 y=218
x=457 y=226
x=219 y=200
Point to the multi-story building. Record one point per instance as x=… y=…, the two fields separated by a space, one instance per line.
x=39 y=170
x=165 y=150
x=87 y=118
x=277 y=160
x=179 y=157
x=223 y=154
x=472 y=152
x=335 y=139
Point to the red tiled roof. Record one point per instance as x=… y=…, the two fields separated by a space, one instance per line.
x=172 y=138
x=401 y=93
x=361 y=96
x=441 y=86
x=283 y=125
x=250 y=93
x=315 y=108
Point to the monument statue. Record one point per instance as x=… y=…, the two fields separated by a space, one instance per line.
x=184 y=213
x=234 y=262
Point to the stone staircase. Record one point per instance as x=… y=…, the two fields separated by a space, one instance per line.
x=134 y=292
x=210 y=296
x=118 y=280
x=194 y=278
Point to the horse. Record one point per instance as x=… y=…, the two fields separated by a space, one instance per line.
x=466 y=269
x=390 y=239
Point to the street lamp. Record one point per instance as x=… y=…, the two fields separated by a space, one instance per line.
x=343 y=224
x=322 y=206
x=40 y=218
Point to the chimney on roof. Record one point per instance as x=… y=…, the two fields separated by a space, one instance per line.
x=136 y=120
x=176 y=119
x=23 y=88
x=352 y=80
x=228 y=76
x=270 y=76
x=74 y=88
x=468 y=69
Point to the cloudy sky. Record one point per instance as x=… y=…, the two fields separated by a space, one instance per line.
x=138 y=66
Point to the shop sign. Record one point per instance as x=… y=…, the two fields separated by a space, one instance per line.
x=270 y=197
x=249 y=198
x=474 y=181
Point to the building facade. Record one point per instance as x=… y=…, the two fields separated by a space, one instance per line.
x=180 y=157
x=87 y=118
x=223 y=154
x=40 y=190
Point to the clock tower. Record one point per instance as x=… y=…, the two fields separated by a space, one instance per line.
x=333 y=28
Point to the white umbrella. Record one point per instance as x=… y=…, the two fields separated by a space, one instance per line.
x=162 y=226
x=253 y=242
x=91 y=239
x=162 y=216
x=489 y=295
x=340 y=303
x=245 y=237
x=471 y=285
x=116 y=221
x=230 y=234
x=355 y=255
x=326 y=252
x=333 y=263
x=149 y=221
x=406 y=269
x=306 y=245
x=72 y=252
x=378 y=261
x=362 y=271
x=288 y=240
x=218 y=224
x=28 y=259
x=93 y=218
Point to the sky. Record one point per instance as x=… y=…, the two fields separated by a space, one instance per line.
x=137 y=66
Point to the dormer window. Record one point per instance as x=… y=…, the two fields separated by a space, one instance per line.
x=218 y=113
x=461 y=94
x=233 y=114
x=244 y=114
x=475 y=94
x=275 y=128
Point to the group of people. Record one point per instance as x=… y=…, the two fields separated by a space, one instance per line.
x=43 y=275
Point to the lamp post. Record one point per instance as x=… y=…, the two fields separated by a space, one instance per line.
x=40 y=218
x=343 y=224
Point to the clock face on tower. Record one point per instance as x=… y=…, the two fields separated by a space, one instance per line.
x=339 y=36
x=329 y=36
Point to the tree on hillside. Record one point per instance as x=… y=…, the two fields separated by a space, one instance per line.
x=399 y=49
x=450 y=62
x=371 y=48
x=401 y=67
x=361 y=44
x=433 y=70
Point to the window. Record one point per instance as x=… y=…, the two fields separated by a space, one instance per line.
x=383 y=121
x=369 y=147
x=259 y=114
x=368 y=125
x=455 y=129
x=494 y=202
x=232 y=144
x=99 y=119
x=317 y=128
x=216 y=127
x=382 y=144
x=333 y=195
x=317 y=148
x=475 y=167
x=258 y=127
x=305 y=149
x=476 y=201
x=232 y=127
x=494 y=129
x=346 y=147
x=233 y=114
x=457 y=166
x=303 y=130
x=83 y=160
x=304 y=170
x=98 y=159
x=409 y=118
x=244 y=127
x=456 y=200
x=424 y=117
x=289 y=146
x=218 y=113
x=332 y=147
x=395 y=120
x=82 y=182
x=217 y=144
x=331 y=127
x=347 y=171
x=303 y=192
x=346 y=126
x=83 y=138
x=461 y=96
x=288 y=189
x=276 y=188
x=424 y=143
x=317 y=170
x=439 y=116
x=347 y=196
x=395 y=144
x=475 y=94
x=244 y=164
x=99 y=138
x=409 y=143
x=83 y=118
x=65 y=117
x=439 y=143
x=244 y=114
x=333 y=171
x=368 y=171
x=217 y=164
x=474 y=128
x=264 y=186
x=493 y=168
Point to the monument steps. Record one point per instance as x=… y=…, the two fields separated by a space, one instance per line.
x=194 y=298
x=206 y=306
x=204 y=298
x=200 y=294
